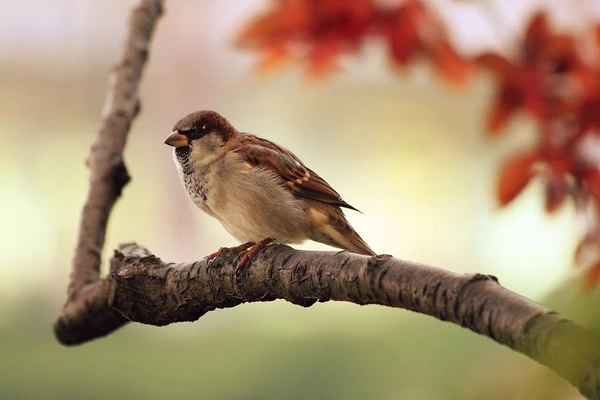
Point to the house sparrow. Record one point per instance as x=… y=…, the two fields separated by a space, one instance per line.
x=259 y=191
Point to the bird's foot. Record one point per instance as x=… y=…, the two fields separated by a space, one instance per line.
x=222 y=250
x=250 y=251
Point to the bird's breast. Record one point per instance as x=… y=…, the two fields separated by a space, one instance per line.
x=195 y=180
x=251 y=205
x=197 y=186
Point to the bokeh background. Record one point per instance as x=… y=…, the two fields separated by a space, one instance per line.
x=401 y=146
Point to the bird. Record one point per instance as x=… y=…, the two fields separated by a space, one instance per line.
x=259 y=191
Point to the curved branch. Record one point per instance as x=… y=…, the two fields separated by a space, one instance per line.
x=145 y=289
x=108 y=176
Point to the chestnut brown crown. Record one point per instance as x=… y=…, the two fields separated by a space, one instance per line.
x=198 y=124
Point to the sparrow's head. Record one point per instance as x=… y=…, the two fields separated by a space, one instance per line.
x=202 y=135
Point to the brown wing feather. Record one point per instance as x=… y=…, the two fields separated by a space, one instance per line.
x=301 y=180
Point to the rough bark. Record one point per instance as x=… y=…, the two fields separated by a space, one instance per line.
x=85 y=309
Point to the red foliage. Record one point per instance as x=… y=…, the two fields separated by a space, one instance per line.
x=529 y=81
x=592 y=178
x=322 y=29
x=592 y=277
x=515 y=175
x=319 y=31
x=411 y=30
x=548 y=78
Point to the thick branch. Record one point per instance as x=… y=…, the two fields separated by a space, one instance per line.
x=108 y=175
x=147 y=290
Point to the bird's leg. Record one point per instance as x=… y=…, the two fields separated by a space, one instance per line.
x=246 y=254
x=222 y=250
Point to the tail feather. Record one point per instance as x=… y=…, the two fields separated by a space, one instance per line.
x=333 y=229
x=360 y=245
x=350 y=240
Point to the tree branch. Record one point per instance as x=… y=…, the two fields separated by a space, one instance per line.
x=108 y=176
x=145 y=289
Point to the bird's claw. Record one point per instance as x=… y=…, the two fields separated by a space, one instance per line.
x=251 y=251
x=212 y=256
x=223 y=250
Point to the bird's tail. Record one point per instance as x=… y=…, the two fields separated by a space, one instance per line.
x=338 y=232
x=350 y=240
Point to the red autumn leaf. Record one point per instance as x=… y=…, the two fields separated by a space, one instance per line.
x=560 y=51
x=356 y=9
x=355 y=13
x=542 y=81
x=314 y=30
x=535 y=36
x=449 y=63
x=273 y=58
x=587 y=249
x=589 y=82
x=591 y=278
x=592 y=180
x=288 y=18
x=531 y=88
x=322 y=58
x=560 y=162
x=403 y=36
x=496 y=63
x=556 y=190
x=589 y=116
x=507 y=102
x=514 y=177
x=346 y=21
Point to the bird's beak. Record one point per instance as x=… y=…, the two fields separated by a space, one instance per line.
x=176 y=139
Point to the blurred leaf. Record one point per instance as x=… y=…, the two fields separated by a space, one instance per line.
x=288 y=18
x=320 y=30
x=592 y=180
x=273 y=58
x=514 y=177
x=403 y=36
x=450 y=64
x=559 y=50
x=535 y=36
x=507 y=101
x=555 y=191
x=591 y=279
x=496 y=63
x=323 y=57
x=587 y=249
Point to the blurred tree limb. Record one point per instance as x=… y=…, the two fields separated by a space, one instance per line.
x=85 y=311
x=142 y=288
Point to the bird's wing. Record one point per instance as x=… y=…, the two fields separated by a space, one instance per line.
x=300 y=179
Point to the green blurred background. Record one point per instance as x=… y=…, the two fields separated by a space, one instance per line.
x=404 y=148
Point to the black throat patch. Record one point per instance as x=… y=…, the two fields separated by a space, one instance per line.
x=183 y=156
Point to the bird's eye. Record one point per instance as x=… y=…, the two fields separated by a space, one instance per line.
x=198 y=132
